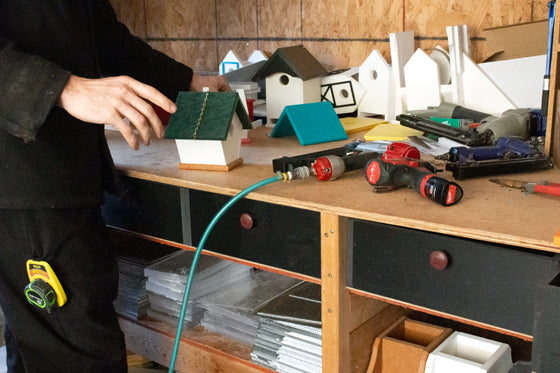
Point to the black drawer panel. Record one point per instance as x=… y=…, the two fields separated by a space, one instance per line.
x=282 y=237
x=146 y=207
x=488 y=283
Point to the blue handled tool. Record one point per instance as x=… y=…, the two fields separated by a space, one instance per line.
x=541 y=131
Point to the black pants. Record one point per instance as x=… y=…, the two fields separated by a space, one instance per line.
x=81 y=336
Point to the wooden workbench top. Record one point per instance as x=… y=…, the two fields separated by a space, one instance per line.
x=487 y=211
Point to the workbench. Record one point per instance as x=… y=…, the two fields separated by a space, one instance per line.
x=357 y=244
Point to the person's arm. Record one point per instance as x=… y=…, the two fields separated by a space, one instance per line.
x=110 y=100
x=214 y=83
x=30 y=87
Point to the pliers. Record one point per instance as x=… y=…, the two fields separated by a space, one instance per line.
x=531 y=187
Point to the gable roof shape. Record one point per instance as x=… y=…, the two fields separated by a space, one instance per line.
x=245 y=73
x=216 y=117
x=312 y=123
x=295 y=60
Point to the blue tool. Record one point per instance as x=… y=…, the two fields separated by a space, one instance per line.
x=541 y=130
x=505 y=148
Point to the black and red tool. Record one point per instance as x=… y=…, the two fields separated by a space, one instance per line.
x=400 y=166
x=330 y=167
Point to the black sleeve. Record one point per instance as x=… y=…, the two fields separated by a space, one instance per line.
x=30 y=86
x=121 y=53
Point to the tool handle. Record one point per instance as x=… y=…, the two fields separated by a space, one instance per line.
x=553 y=189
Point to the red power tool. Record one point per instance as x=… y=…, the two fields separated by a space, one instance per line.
x=330 y=167
x=400 y=166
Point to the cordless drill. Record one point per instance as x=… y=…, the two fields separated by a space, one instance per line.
x=389 y=172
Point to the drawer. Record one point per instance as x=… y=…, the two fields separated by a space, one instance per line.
x=274 y=235
x=146 y=207
x=488 y=283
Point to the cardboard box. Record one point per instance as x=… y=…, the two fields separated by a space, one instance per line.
x=404 y=346
x=516 y=41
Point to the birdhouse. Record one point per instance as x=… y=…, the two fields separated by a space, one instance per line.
x=293 y=77
x=257 y=56
x=207 y=128
x=342 y=90
x=231 y=62
x=376 y=76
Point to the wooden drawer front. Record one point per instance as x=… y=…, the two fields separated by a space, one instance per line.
x=492 y=284
x=147 y=207
x=282 y=237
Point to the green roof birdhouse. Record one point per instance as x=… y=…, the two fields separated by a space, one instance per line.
x=207 y=128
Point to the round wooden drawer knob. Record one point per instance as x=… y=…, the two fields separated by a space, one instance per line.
x=439 y=260
x=246 y=221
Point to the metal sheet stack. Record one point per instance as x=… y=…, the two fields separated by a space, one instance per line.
x=232 y=311
x=133 y=256
x=289 y=335
x=167 y=279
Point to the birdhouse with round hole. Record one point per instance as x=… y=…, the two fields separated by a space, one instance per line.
x=292 y=77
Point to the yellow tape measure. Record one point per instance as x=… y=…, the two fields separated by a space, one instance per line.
x=44 y=289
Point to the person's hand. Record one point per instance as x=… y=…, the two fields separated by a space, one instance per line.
x=111 y=100
x=215 y=83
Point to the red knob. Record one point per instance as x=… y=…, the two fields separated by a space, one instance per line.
x=439 y=260
x=246 y=221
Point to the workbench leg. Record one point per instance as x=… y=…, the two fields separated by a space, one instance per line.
x=335 y=298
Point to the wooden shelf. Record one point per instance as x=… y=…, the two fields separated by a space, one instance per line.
x=199 y=351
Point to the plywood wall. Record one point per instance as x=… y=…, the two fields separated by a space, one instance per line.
x=339 y=33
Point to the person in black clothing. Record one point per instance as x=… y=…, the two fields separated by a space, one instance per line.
x=66 y=68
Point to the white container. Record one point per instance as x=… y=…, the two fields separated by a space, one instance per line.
x=466 y=353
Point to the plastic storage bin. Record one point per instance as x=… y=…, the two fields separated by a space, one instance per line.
x=466 y=353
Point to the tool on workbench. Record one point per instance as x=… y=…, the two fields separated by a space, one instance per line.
x=389 y=172
x=469 y=137
x=541 y=131
x=333 y=163
x=531 y=187
x=505 y=148
x=508 y=155
x=473 y=169
x=332 y=166
x=452 y=111
x=44 y=289
x=286 y=164
x=486 y=129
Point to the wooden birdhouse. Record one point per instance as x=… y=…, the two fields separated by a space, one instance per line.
x=231 y=62
x=293 y=77
x=207 y=128
x=342 y=90
x=376 y=76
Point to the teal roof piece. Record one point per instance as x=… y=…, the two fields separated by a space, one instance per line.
x=313 y=123
x=215 y=120
x=296 y=61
